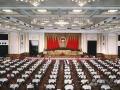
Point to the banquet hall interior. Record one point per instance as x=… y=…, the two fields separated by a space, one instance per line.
x=59 y=44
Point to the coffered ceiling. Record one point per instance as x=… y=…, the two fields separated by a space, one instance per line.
x=46 y=15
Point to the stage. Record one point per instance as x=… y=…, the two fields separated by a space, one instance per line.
x=43 y=58
x=63 y=52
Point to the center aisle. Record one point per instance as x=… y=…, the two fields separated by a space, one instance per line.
x=74 y=76
x=60 y=81
x=45 y=78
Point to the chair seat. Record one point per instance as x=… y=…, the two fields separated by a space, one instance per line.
x=86 y=87
x=105 y=87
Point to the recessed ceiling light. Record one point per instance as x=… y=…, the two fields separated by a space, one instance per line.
x=35 y=4
x=81 y=4
x=42 y=10
x=112 y=11
x=7 y=10
x=61 y=22
x=18 y=29
x=77 y=11
x=73 y=25
x=6 y=21
x=42 y=23
x=7 y=26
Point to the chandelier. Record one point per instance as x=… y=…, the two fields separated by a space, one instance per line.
x=83 y=2
x=32 y=2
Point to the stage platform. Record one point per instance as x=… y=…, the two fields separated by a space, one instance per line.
x=62 y=58
x=63 y=52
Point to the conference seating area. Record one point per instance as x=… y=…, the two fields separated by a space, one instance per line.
x=54 y=74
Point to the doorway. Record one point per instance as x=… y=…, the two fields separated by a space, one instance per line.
x=92 y=48
x=119 y=51
x=3 y=45
x=33 y=47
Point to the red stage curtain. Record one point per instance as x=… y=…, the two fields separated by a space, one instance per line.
x=52 y=42
x=56 y=43
x=48 y=39
x=73 y=42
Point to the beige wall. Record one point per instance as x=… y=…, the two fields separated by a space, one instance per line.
x=106 y=43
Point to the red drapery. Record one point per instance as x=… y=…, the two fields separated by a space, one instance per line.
x=52 y=42
x=73 y=42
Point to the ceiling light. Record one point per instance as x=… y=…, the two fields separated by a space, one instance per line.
x=6 y=21
x=7 y=26
x=7 y=10
x=42 y=23
x=112 y=11
x=77 y=11
x=42 y=10
x=18 y=29
x=73 y=25
x=83 y=2
x=61 y=22
x=33 y=2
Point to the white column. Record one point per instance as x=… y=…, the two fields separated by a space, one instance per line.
x=22 y=42
x=14 y=43
x=26 y=43
x=84 y=42
x=112 y=44
x=41 y=42
x=103 y=43
x=99 y=43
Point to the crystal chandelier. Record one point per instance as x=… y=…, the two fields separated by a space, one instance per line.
x=32 y=2
x=83 y=2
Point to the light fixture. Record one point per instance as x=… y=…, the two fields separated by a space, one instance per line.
x=42 y=10
x=76 y=11
x=32 y=2
x=6 y=21
x=112 y=11
x=83 y=2
x=61 y=22
x=18 y=29
x=42 y=23
x=7 y=26
x=73 y=25
x=7 y=10
x=35 y=4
